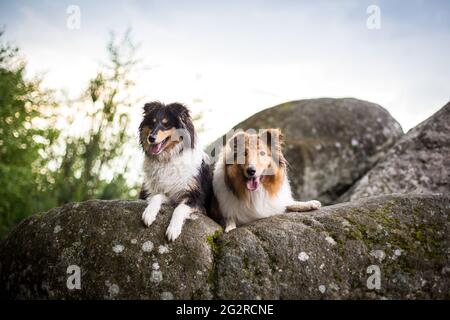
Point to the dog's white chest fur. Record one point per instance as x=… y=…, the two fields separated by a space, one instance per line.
x=258 y=205
x=173 y=177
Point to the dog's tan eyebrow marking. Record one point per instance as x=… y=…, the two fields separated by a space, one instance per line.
x=164 y=120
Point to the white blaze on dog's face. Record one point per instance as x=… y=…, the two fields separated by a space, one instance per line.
x=162 y=126
x=253 y=160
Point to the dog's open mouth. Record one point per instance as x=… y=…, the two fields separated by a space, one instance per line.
x=156 y=148
x=253 y=183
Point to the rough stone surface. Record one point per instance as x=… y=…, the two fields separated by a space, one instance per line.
x=323 y=254
x=419 y=162
x=118 y=257
x=330 y=143
x=292 y=256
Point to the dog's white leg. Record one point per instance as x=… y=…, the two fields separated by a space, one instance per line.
x=154 y=204
x=180 y=214
x=299 y=206
x=230 y=225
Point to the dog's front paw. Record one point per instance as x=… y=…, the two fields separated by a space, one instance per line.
x=229 y=228
x=174 y=230
x=230 y=225
x=314 y=204
x=149 y=215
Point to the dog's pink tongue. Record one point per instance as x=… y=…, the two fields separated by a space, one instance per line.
x=155 y=148
x=252 y=184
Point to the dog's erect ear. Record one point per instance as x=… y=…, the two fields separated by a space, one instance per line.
x=275 y=141
x=272 y=137
x=237 y=140
x=180 y=110
x=152 y=106
x=235 y=149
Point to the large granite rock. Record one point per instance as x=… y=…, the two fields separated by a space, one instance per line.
x=330 y=143
x=419 y=162
x=332 y=254
x=118 y=257
x=322 y=254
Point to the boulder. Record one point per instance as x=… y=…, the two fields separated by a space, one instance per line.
x=118 y=258
x=341 y=251
x=330 y=143
x=401 y=240
x=418 y=163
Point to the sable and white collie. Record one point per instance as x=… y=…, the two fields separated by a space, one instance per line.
x=250 y=180
x=176 y=170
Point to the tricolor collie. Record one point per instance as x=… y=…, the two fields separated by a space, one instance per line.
x=176 y=170
x=250 y=180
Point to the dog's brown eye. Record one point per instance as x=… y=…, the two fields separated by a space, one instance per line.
x=262 y=153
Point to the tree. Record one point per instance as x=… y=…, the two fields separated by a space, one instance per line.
x=24 y=140
x=41 y=167
x=106 y=105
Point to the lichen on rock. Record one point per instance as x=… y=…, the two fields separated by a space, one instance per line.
x=418 y=163
x=114 y=248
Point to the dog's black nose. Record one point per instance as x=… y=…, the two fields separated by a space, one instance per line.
x=151 y=138
x=251 y=171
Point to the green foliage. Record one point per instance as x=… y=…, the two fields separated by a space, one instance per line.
x=42 y=168
x=105 y=106
x=23 y=142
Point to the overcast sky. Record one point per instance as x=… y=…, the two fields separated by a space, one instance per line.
x=234 y=58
